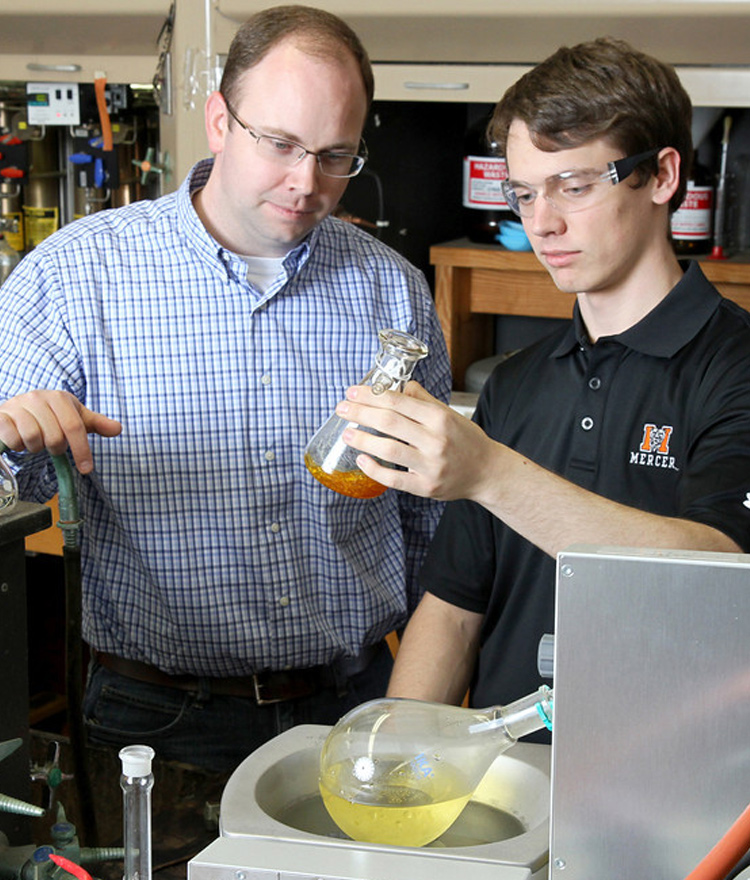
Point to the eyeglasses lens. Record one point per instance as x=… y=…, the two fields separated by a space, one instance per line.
x=288 y=153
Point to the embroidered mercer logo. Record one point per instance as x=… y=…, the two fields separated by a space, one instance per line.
x=656 y=439
x=653 y=451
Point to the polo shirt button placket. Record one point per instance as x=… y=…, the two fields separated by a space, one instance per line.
x=593 y=403
x=594 y=384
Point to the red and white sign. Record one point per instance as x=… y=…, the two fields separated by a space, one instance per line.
x=483 y=176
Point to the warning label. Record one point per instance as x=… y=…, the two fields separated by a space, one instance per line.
x=483 y=176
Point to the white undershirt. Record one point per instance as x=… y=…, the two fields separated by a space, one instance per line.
x=263 y=271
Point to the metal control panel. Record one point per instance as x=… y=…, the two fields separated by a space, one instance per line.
x=53 y=103
x=650 y=761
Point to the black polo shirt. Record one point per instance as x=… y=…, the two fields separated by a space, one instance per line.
x=657 y=417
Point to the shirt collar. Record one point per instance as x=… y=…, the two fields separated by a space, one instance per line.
x=667 y=327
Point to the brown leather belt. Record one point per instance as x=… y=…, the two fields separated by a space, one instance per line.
x=264 y=687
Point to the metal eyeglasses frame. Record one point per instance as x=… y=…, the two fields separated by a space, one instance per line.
x=357 y=159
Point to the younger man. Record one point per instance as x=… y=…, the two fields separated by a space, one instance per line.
x=629 y=427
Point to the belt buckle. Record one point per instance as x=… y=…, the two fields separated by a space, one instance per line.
x=260 y=685
x=288 y=686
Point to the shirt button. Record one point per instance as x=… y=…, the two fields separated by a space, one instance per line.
x=284 y=601
x=595 y=383
x=269 y=456
x=587 y=423
x=265 y=379
x=275 y=527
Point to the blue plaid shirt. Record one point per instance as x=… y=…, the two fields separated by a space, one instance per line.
x=207 y=547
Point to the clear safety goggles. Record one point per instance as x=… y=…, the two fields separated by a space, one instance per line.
x=574 y=190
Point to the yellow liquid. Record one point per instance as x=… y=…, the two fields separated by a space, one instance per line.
x=352 y=483
x=410 y=814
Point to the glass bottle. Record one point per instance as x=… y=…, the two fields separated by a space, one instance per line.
x=8 y=484
x=136 y=782
x=327 y=457
x=691 y=223
x=401 y=771
x=485 y=205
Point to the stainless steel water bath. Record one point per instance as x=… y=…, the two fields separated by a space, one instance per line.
x=274 y=825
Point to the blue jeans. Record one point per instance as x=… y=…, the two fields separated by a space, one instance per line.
x=213 y=732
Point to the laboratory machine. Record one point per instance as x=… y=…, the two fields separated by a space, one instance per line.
x=649 y=761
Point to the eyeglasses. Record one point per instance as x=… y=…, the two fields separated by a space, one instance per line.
x=332 y=163
x=572 y=191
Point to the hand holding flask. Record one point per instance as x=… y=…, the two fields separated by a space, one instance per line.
x=327 y=457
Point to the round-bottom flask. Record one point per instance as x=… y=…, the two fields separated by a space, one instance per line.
x=400 y=771
x=327 y=457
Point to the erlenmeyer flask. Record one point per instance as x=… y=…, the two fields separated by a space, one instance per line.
x=8 y=486
x=327 y=457
x=401 y=771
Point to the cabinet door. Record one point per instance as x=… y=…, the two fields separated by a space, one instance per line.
x=480 y=83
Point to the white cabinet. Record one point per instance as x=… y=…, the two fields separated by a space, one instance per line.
x=423 y=50
x=472 y=50
x=707 y=86
x=69 y=40
x=482 y=83
x=682 y=32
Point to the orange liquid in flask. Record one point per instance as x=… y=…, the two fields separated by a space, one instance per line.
x=352 y=483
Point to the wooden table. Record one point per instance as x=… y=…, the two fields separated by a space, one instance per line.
x=473 y=282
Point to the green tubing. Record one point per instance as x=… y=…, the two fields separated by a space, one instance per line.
x=70 y=521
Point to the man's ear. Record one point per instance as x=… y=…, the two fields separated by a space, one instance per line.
x=217 y=121
x=667 y=180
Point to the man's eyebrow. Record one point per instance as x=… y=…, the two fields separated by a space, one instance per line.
x=287 y=136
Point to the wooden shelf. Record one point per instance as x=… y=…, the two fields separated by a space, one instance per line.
x=473 y=282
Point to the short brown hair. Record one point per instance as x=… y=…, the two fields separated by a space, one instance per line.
x=320 y=33
x=601 y=89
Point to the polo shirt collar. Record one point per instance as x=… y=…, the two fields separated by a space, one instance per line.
x=667 y=327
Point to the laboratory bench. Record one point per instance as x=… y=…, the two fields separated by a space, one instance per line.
x=475 y=282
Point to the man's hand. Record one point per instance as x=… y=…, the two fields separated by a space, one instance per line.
x=444 y=452
x=53 y=420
